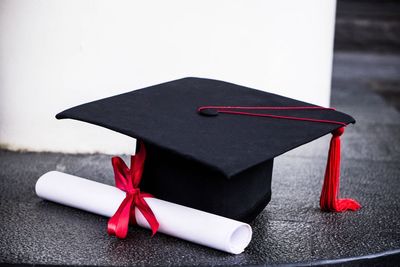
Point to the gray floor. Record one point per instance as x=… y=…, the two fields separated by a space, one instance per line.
x=290 y=230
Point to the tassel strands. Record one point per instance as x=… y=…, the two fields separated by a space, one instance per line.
x=329 y=200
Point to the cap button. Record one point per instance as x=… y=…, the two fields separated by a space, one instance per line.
x=210 y=112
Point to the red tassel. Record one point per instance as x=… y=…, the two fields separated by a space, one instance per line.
x=329 y=196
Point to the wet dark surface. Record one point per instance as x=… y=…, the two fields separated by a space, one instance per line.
x=290 y=230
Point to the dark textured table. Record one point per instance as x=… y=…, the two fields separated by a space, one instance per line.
x=290 y=230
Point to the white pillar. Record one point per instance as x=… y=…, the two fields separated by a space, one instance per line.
x=57 y=54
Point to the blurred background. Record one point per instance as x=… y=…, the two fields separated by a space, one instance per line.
x=58 y=54
x=372 y=27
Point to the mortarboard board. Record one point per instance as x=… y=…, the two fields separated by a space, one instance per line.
x=211 y=144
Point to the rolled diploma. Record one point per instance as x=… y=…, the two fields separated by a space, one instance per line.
x=179 y=221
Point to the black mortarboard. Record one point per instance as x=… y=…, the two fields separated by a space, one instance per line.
x=207 y=145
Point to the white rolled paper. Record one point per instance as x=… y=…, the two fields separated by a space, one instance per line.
x=179 y=221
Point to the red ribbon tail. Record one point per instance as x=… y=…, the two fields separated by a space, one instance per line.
x=148 y=214
x=329 y=195
x=118 y=224
x=121 y=171
x=137 y=164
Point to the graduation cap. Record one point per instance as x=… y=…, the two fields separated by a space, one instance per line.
x=210 y=144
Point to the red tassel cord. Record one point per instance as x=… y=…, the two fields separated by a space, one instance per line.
x=329 y=196
x=329 y=200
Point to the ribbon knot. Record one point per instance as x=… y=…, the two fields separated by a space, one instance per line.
x=128 y=180
x=133 y=191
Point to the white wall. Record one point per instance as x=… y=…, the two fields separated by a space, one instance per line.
x=57 y=54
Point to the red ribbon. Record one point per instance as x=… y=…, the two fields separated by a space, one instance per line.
x=231 y=110
x=128 y=180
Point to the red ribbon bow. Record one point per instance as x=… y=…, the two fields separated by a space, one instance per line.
x=128 y=180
